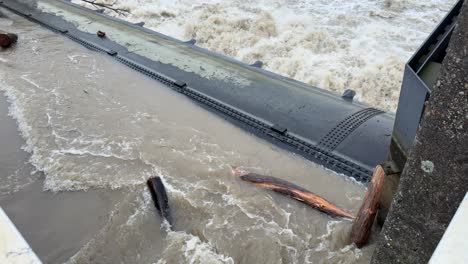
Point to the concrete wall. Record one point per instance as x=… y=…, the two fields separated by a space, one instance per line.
x=435 y=178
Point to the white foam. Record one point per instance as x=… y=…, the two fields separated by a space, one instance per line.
x=335 y=45
x=193 y=249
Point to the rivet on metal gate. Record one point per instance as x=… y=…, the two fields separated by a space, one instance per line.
x=279 y=129
x=112 y=52
x=180 y=84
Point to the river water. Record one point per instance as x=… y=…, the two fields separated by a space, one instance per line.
x=333 y=44
x=95 y=130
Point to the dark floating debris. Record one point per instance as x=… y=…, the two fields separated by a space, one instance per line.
x=295 y=192
x=159 y=195
x=108 y=6
x=101 y=34
x=7 y=39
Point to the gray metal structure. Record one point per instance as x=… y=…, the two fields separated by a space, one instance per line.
x=421 y=71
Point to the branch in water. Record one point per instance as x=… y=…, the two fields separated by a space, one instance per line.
x=119 y=11
x=293 y=191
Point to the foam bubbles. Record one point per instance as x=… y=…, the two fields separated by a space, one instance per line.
x=186 y=248
x=336 y=45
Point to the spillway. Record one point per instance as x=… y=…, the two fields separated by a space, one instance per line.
x=334 y=131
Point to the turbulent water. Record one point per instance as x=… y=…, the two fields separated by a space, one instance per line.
x=91 y=123
x=333 y=44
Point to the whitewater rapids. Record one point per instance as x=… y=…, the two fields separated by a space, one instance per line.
x=333 y=44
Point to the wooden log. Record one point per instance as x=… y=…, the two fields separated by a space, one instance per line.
x=7 y=39
x=364 y=220
x=295 y=192
x=159 y=195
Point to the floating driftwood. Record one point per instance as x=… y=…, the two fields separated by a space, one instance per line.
x=7 y=39
x=363 y=223
x=159 y=195
x=295 y=192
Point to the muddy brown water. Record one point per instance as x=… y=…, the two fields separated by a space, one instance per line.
x=92 y=131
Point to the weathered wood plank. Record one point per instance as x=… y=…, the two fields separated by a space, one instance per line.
x=295 y=192
x=364 y=220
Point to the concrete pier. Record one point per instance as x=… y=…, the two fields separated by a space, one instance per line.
x=13 y=248
x=435 y=178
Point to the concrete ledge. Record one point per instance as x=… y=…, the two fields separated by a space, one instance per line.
x=453 y=247
x=13 y=247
